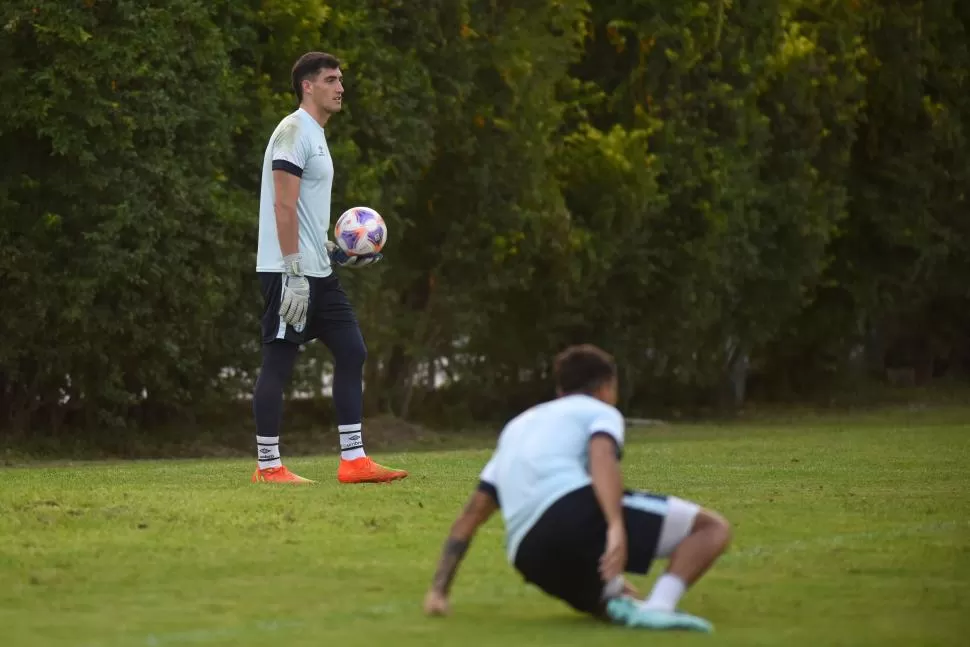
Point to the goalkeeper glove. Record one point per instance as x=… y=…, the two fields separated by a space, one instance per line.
x=341 y=258
x=296 y=292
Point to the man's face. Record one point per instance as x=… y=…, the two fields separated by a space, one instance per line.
x=326 y=90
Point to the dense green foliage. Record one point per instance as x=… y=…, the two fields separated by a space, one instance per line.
x=765 y=196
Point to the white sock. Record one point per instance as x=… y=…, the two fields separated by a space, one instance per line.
x=351 y=442
x=268 y=451
x=666 y=593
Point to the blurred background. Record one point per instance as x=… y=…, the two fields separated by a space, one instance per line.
x=749 y=203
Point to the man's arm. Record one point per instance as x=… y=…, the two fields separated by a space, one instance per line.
x=287 y=190
x=478 y=510
x=604 y=467
x=295 y=298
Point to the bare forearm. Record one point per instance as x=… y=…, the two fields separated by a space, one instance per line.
x=479 y=508
x=451 y=555
x=609 y=492
x=287 y=229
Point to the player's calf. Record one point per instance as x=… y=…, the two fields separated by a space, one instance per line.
x=707 y=537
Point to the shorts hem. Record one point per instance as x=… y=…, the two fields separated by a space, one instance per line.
x=278 y=270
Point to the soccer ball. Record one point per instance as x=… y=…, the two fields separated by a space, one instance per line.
x=360 y=230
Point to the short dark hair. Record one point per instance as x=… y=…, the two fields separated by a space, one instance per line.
x=583 y=369
x=308 y=66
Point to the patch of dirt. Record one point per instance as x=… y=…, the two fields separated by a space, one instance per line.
x=391 y=431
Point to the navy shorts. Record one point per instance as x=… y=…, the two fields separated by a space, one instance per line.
x=560 y=554
x=329 y=309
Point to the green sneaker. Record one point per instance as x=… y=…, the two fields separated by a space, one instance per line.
x=654 y=619
x=621 y=609
x=626 y=611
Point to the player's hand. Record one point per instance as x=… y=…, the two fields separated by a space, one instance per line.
x=341 y=258
x=613 y=561
x=630 y=590
x=436 y=604
x=296 y=293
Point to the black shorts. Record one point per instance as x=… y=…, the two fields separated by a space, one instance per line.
x=560 y=554
x=329 y=309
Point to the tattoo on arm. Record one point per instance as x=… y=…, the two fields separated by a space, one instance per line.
x=479 y=508
x=451 y=555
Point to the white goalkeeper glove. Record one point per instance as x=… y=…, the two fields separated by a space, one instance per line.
x=296 y=292
x=343 y=259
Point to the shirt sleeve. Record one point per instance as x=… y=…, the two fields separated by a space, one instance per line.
x=290 y=149
x=610 y=422
x=487 y=480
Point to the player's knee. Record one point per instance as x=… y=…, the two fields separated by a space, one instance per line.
x=358 y=353
x=349 y=348
x=715 y=526
x=277 y=367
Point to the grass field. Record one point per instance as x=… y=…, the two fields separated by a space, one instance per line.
x=848 y=531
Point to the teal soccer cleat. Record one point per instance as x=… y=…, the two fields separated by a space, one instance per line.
x=626 y=611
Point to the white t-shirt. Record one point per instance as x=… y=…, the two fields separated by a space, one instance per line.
x=543 y=454
x=298 y=146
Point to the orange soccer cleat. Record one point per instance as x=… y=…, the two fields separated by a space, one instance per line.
x=278 y=475
x=365 y=470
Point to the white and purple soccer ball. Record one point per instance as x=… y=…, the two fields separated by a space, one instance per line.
x=359 y=231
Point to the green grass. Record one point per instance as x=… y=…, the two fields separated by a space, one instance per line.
x=848 y=531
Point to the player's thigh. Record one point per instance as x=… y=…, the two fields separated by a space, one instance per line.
x=678 y=524
x=335 y=323
x=656 y=524
x=643 y=515
x=330 y=304
x=560 y=553
x=273 y=326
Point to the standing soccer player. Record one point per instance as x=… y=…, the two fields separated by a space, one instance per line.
x=303 y=298
x=571 y=529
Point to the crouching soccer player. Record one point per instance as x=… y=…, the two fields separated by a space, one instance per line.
x=571 y=528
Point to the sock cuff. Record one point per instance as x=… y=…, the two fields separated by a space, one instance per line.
x=346 y=429
x=267 y=440
x=666 y=593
